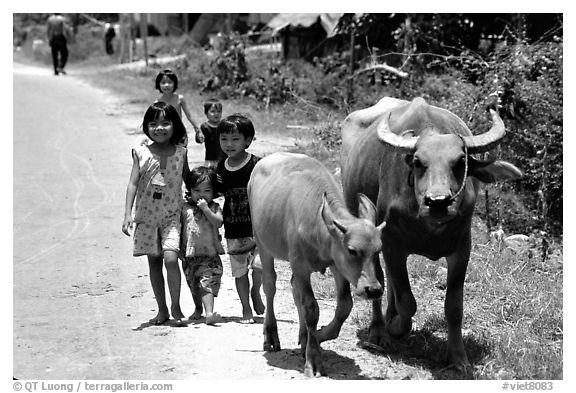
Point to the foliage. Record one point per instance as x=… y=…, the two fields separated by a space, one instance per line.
x=229 y=73
x=529 y=84
x=228 y=67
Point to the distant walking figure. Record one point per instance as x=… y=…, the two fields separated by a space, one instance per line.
x=57 y=31
x=109 y=35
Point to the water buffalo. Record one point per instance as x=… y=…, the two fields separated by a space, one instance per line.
x=414 y=161
x=299 y=215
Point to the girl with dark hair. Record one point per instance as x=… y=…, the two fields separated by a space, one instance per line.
x=167 y=84
x=155 y=192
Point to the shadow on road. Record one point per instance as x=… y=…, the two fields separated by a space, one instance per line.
x=337 y=367
x=170 y=322
x=423 y=349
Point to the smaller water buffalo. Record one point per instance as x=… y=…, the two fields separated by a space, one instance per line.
x=299 y=215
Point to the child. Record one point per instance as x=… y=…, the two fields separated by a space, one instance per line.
x=201 y=218
x=156 y=185
x=209 y=133
x=236 y=134
x=167 y=83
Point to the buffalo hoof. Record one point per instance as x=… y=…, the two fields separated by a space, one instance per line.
x=271 y=347
x=271 y=340
x=458 y=362
x=314 y=369
x=459 y=371
x=378 y=335
x=399 y=328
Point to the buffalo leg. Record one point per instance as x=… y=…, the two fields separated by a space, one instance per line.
x=401 y=302
x=310 y=313
x=377 y=327
x=302 y=330
x=453 y=305
x=343 y=308
x=271 y=339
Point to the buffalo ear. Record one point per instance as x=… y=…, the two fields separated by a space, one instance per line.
x=493 y=171
x=331 y=222
x=366 y=208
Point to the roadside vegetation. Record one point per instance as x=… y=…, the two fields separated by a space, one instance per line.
x=513 y=306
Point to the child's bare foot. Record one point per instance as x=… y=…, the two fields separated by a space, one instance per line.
x=257 y=302
x=212 y=318
x=177 y=314
x=247 y=317
x=160 y=318
x=197 y=314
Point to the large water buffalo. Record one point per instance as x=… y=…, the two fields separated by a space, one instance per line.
x=414 y=161
x=299 y=215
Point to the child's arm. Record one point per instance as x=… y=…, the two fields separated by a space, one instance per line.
x=186 y=171
x=183 y=235
x=131 y=195
x=199 y=135
x=215 y=218
x=187 y=113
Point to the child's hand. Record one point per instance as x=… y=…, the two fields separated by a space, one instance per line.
x=202 y=204
x=127 y=225
x=199 y=137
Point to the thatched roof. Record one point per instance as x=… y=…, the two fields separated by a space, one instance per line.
x=328 y=21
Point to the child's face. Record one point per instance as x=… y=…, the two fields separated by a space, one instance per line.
x=202 y=190
x=166 y=85
x=234 y=144
x=160 y=130
x=214 y=115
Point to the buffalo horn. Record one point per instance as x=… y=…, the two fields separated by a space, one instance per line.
x=395 y=141
x=485 y=142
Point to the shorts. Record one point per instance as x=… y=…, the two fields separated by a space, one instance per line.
x=154 y=240
x=243 y=255
x=203 y=273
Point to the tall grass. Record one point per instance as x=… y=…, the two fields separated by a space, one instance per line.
x=514 y=295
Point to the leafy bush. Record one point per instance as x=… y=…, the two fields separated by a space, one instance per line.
x=527 y=80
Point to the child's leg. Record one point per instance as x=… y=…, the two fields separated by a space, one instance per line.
x=240 y=259
x=211 y=316
x=197 y=297
x=208 y=302
x=243 y=288
x=255 y=291
x=157 y=281
x=210 y=278
x=188 y=266
x=174 y=282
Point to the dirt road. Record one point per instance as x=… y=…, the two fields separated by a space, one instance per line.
x=81 y=302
